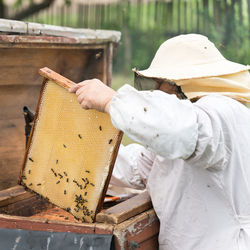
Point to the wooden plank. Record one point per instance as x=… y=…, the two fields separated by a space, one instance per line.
x=137 y=230
x=20 y=222
x=149 y=244
x=26 y=207
x=10 y=26
x=20 y=66
x=126 y=209
x=13 y=194
x=82 y=35
x=55 y=214
x=28 y=42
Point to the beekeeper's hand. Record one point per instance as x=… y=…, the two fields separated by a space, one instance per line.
x=93 y=94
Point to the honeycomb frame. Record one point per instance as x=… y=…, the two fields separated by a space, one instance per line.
x=83 y=185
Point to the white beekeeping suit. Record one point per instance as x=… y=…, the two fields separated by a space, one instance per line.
x=194 y=157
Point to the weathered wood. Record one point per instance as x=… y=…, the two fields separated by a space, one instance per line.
x=55 y=214
x=20 y=222
x=138 y=230
x=20 y=66
x=33 y=42
x=80 y=35
x=13 y=194
x=26 y=207
x=142 y=229
x=126 y=209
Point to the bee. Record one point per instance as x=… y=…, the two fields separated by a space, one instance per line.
x=56 y=161
x=67 y=179
x=92 y=184
x=65 y=173
x=38 y=184
x=100 y=128
x=87 y=171
x=58 y=182
x=110 y=141
x=64 y=145
x=30 y=184
x=79 y=136
x=60 y=175
x=29 y=171
x=64 y=191
x=31 y=159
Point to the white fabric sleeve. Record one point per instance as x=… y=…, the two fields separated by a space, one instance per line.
x=159 y=121
x=214 y=144
x=132 y=166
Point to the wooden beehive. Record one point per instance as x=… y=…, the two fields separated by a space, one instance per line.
x=77 y=54
x=71 y=151
x=133 y=223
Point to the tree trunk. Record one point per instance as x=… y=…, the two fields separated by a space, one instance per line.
x=2 y=9
x=31 y=9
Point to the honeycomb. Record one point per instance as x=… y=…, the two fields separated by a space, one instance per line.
x=70 y=154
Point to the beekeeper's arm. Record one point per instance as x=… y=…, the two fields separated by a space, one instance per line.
x=132 y=166
x=173 y=128
x=168 y=126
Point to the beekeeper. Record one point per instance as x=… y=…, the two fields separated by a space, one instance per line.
x=194 y=156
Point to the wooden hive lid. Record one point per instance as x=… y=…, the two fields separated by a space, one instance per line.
x=76 y=36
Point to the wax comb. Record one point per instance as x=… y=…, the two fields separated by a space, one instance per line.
x=71 y=151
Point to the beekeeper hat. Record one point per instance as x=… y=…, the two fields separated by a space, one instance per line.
x=189 y=56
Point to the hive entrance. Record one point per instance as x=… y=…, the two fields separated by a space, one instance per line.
x=70 y=154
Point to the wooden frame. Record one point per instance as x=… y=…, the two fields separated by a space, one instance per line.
x=49 y=74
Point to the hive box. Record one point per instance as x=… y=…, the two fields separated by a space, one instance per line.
x=78 y=55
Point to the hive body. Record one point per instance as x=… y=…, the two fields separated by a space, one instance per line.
x=71 y=153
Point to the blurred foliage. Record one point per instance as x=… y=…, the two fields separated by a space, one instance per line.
x=145 y=25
